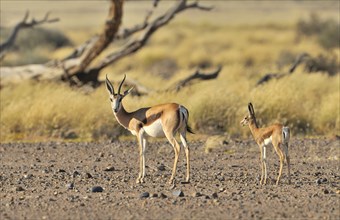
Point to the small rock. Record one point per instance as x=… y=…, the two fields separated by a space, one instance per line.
x=163 y=196
x=109 y=168
x=75 y=173
x=62 y=171
x=178 y=193
x=197 y=194
x=88 y=175
x=97 y=189
x=326 y=191
x=319 y=181
x=154 y=195
x=161 y=167
x=28 y=176
x=70 y=185
x=324 y=180
x=214 y=195
x=101 y=154
x=19 y=189
x=144 y=195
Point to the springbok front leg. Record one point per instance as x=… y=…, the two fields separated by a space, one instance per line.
x=264 y=164
x=141 y=144
x=187 y=154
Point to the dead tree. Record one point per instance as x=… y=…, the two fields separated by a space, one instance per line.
x=197 y=75
x=8 y=44
x=78 y=68
x=269 y=76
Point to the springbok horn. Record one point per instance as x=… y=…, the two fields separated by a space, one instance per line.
x=120 y=86
x=109 y=86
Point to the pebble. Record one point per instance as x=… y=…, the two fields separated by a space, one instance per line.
x=70 y=185
x=161 y=167
x=97 y=189
x=109 y=168
x=144 y=195
x=75 y=173
x=19 y=188
x=88 y=175
x=321 y=180
x=197 y=194
x=163 y=196
x=214 y=195
x=178 y=193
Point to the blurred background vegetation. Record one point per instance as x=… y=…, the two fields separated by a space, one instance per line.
x=249 y=39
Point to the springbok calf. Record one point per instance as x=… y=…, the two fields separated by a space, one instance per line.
x=276 y=134
x=165 y=120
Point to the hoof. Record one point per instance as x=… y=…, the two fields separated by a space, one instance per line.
x=171 y=184
x=139 y=181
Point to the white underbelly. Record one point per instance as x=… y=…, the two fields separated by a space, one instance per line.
x=268 y=140
x=155 y=129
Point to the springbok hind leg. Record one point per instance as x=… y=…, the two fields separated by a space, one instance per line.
x=187 y=154
x=262 y=165
x=281 y=156
x=141 y=144
x=288 y=161
x=177 y=149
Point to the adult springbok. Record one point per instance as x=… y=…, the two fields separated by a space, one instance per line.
x=165 y=120
x=276 y=134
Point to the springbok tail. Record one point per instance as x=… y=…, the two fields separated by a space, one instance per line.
x=285 y=138
x=185 y=114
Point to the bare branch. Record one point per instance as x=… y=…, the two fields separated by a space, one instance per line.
x=197 y=75
x=127 y=32
x=110 y=30
x=4 y=47
x=269 y=76
x=158 y=22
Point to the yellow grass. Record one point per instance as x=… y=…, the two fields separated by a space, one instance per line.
x=308 y=103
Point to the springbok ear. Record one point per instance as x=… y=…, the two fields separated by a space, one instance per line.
x=251 y=109
x=109 y=86
x=128 y=91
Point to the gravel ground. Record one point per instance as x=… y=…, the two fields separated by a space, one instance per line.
x=56 y=180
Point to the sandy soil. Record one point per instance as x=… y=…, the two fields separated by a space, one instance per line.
x=54 y=181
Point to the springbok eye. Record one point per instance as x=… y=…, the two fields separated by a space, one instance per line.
x=110 y=99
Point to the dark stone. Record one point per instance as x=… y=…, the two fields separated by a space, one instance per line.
x=88 y=175
x=144 y=195
x=214 y=195
x=163 y=196
x=109 y=168
x=178 y=193
x=97 y=189
x=161 y=167
x=70 y=186
x=19 y=189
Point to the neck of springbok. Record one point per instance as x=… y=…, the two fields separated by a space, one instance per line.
x=123 y=117
x=253 y=127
